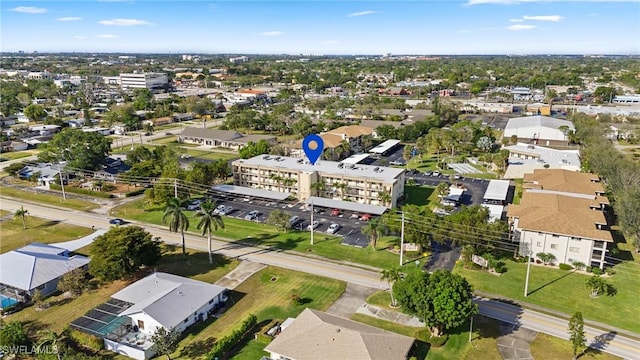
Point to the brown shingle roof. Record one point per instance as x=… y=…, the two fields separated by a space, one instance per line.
x=559 y=214
x=564 y=181
x=318 y=335
x=222 y=135
x=352 y=131
x=330 y=141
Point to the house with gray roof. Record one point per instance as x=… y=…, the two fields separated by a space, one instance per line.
x=36 y=267
x=317 y=335
x=220 y=138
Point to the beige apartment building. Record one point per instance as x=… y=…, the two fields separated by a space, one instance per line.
x=363 y=184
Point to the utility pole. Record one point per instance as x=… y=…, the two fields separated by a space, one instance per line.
x=471 y=328
x=175 y=188
x=402 y=240
x=526 y=282
x=64 y=196
x=311 y=222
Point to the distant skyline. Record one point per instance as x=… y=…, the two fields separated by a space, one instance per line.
x=443 y=27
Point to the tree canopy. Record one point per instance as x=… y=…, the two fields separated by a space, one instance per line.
x=122 y=251
x=81 y=150
x=442 y=299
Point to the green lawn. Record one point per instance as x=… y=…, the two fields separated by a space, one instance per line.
x=267 y=295
x=267 y=235
x=418 y=195
x=5 y=156
x=38 y=230
x=549 y=286
x=550 y=347
x=47 y=198
x=518 y=191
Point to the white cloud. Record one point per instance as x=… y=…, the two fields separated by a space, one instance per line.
x=272 y=33
x=106 y=36
x=329 y=42
x=79 y=37
x=69 y=18
x=520 y=27
x=29 y=10
x=124 y=22
x=516 y=20
x=543 y=17
x=515 y=2
x=362 y=13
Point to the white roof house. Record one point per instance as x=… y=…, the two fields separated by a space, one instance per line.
x=537 y=127
x=37 y=266
x=168 y=299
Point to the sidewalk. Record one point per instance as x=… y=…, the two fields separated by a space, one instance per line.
x=389 y=315
x=238 y=275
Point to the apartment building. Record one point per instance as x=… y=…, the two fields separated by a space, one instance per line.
x=151 y=81
x=562 y=212
x=339 y=181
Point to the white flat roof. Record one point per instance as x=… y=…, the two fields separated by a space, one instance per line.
x=547 y=155
x=497 y=190
x=347 y=205
x=325 y=167
x=247 y=191
x=385 y=146
x=495 y=211
x=354 y=159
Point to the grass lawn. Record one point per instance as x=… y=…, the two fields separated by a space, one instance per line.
x=5 y=156
x=266 y=294
x=548 y=287
x=267 y=235
x=517 y=195
x=211 y=155
x=47 y=198
x=550 y=347
x=38 y=230
x=483 y=345
x=418 y=195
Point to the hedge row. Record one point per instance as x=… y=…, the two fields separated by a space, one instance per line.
x=226 y=343
x=135 y=192
x=81 y=191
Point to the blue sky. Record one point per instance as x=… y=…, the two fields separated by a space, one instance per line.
x=324 y=27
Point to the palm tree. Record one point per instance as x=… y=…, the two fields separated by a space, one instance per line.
x=209 y=221
x=318 y=187
x=442 y=189
x=177 y=220
x=375 y=229
x=384 y=198
x=53 y=339
x=391 y=275
x=597 y=285
x=22 y=214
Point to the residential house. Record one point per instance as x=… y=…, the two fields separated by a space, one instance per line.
x=46 y=173
x=35 y=267
x=132 y=315
x=12 y=145
x=318 y=335
x=221 y=138
x=111 y=169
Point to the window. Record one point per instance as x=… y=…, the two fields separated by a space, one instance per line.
x=186 y=320
x=140 y=324
x=539 y=244
x=574 y=249
x=554 y=246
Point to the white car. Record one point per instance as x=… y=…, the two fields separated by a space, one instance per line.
x=333 y=228
x=436 y=173
x=219 y=209
x=294 y=220
x=251 y=215
x=315 y=225
x=226 y=210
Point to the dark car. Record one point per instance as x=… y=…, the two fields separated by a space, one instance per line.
x=116 y=222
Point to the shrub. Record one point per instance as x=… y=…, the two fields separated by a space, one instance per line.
x=223 y=345
x=500 y=267
x=565 y=266
x=108 y=187
x=610 y=271
x=86 y=340
x=596 y=270
x=435 y=341
x=296 y=300
x=81 y=191
x=135 y=192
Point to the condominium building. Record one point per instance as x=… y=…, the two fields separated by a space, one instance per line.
x=151 y=81
x=339 y=181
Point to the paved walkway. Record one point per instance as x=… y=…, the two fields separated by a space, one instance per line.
x=389 y=315
x=349 y=302
x=241 y=273
x=514 y=342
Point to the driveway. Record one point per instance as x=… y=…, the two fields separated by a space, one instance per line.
x=514 y=342
x=353 y=297
x=443 y=257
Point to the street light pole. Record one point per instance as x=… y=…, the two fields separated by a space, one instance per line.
x=64 y=196
x=526 y=282
x=311 y=222
x=402 y=240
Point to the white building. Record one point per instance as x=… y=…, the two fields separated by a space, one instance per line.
x=362 y=184
x=151 y=81
x=526 y=158
x=542 y=130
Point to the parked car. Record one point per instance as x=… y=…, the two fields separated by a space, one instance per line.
x=336 y=212
x=365 y=217
x=398 y=162
x=436 y=173
x=251 y=215
x=428 y=173
x=226 y=210
x=333 y=228
x=219 y=209
x=294 y=220
x=116 y=221
x=314 y=225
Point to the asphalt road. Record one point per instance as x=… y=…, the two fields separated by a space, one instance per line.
x=606 y=341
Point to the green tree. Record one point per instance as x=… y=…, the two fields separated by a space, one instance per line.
x=176 y=218
x=74 y=282
x=81 y=150
x=374 y=229
x=166 y=341
x=254 y=149
x=442 y=299
x=391 y=275
x=35 y=112
x=13 y=334
x=597 y=285
x=576 y=334
x=209 y=221
x=279 y=219
x=627 y=208
x=22 y=215
x=122 y=251
x=484 y=143
x=384 y=198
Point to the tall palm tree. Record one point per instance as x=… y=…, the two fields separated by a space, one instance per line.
x=391 y=275
x=209 y=221
x=384 y=197
x=176 y=218
x=318 y=187
x=53 y=339
x=375 y=229
x=22 y=214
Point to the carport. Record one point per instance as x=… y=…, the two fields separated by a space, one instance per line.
x=251 y=192
x=346 y=205
x=497 y=192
